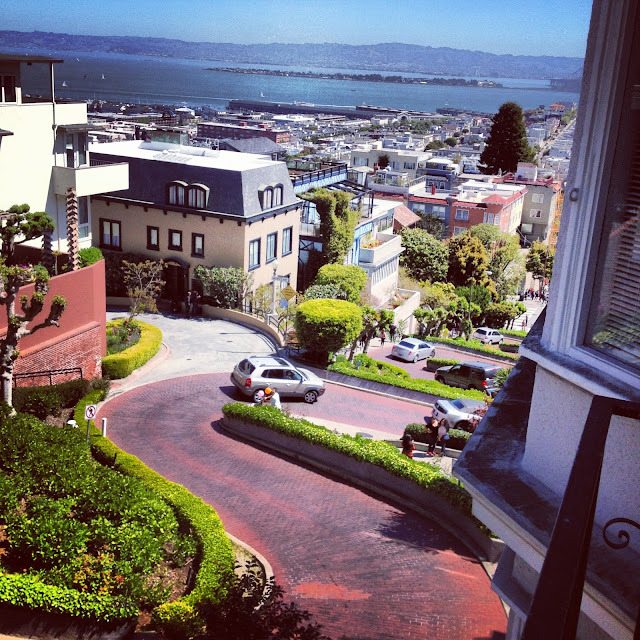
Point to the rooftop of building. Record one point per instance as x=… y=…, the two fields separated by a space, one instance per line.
x=180 y=154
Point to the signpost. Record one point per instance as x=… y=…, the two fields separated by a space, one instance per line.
x=90 y=412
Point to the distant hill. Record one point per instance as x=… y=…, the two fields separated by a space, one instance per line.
x=386 y=57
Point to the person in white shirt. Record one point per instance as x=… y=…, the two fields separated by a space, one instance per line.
x=274 y=399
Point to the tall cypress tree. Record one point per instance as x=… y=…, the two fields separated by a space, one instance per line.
x=507 y=144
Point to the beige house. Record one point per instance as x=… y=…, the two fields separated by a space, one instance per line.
x=190 y=206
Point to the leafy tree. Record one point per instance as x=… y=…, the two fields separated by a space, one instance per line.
x=19 y=226
x=540 y=260
x=475 y=295
x=383 y=160
x=500 y=315
x=452 y=142
x=424 y=256
x=432 y=225
x=431 y=321
x=468 y=261
x=324 y=292
x=507 y=144
x=438 y=294
x=324 y=326
x=225 y=286
x=144 y=284
x=434 y=145
x=337 y=222
x=350 y=279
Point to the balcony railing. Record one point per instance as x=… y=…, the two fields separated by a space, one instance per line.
x=555 y=608
x=389 y=246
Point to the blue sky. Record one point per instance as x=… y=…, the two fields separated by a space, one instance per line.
x=543 y=27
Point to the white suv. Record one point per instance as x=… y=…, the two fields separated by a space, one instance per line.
x=488 y=336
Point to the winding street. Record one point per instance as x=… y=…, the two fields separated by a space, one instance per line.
x=365 y=568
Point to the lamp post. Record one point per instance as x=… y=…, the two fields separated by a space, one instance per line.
x=274 y=266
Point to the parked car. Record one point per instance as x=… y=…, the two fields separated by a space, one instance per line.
x=470 y=375
x=458 y=413
x=488 y=336
x=256 y=373
x=412 y=350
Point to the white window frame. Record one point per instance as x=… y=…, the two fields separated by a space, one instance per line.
x=197 y=196
x=272 y=247
x=562 y=348
x=458 y=231
x=254 y=253
x=537 y=198
x=287 y=241
x=462 y=214
x=176 y=193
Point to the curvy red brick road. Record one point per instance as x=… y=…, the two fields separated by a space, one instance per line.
x=365 y=569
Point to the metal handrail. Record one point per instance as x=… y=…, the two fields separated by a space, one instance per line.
x=47 y=373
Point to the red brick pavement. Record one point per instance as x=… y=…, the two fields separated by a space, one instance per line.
x=365 y=569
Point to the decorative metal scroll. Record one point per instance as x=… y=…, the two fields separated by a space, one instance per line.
x=623 y=535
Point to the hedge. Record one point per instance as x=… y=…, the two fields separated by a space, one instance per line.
x=473 y=345
x=514 y=333
x=457 y=438
x=26 y=590
x=377 y=452
x=382 y=373
x=122 y=364
x=215 y=573
x=48 y=400
x=436 y=363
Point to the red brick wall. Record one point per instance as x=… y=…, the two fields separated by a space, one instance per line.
x=80 y=340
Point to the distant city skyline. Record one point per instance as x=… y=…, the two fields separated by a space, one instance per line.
x=546 y=27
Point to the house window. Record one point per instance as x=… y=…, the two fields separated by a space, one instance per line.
x=488 y=218
x=110 y=237
x=440 y=212
x=153 y=238
x=462 y=214
x=83 y=217
x=7 y=88
x=75 y=145
x=175 y=192
x=254 y=254
x=496 y=219
x=277 y=196
x=267 y=198
x=535 y=213
x=458 y=230
x=175 y=239
x=410 y=165
x=538 y=198
x=197 y=196
x=197 y=245
x=272 y=243
x=287 y=240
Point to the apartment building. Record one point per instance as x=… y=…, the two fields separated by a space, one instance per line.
x=553 y=467
x=241 y=131
x=191 y=206
x=375 y=153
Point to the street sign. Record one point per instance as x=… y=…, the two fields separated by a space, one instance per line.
x=288 y=292
x=90 y=411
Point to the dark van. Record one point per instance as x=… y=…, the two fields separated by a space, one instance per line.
x=470 y=375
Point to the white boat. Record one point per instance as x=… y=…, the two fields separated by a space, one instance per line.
x=261 y=94
x=103 y=76
x=64 y=83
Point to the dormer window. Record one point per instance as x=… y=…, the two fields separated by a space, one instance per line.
x=277 y=195
x=176 y=192
x=267 y=198
x=271 y=197
x=197 y=196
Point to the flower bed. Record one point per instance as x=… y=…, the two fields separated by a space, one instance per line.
x=122 y=364
x=377 y=371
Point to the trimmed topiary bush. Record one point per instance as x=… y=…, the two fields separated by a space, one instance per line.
x=324 y=326
x=49 y=400
x=349 y=278
x=120 y=365
x=89 y=256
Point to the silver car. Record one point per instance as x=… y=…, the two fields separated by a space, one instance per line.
x=459 y=413
x=488 y=336
x=258 y=373
x=412 y=350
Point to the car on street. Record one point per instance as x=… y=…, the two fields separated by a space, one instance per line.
x=412 y=350
x=459 y=413
x=258 y=373
x=488 y=336
x=470 y=375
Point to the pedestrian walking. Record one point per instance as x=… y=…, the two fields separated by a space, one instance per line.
x=187 y=304
x=443 y=436
x=408 y=446
x=432 y=435
x=392 y=332
x=383 y=337
x=195 y=303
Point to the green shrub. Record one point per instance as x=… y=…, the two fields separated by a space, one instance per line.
x=509 y=347
x=89 y=256
x=376 y=452
x=383 y=373
x=49 y=400
x=122 y=364
x=349 y=278
x=474 y=345
x=436 y=363
x=215 y=572
x=323 y=326
x=514 y=333
x=457 y=438
x=77 y=527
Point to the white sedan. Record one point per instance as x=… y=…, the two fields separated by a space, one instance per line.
x=412 y=350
